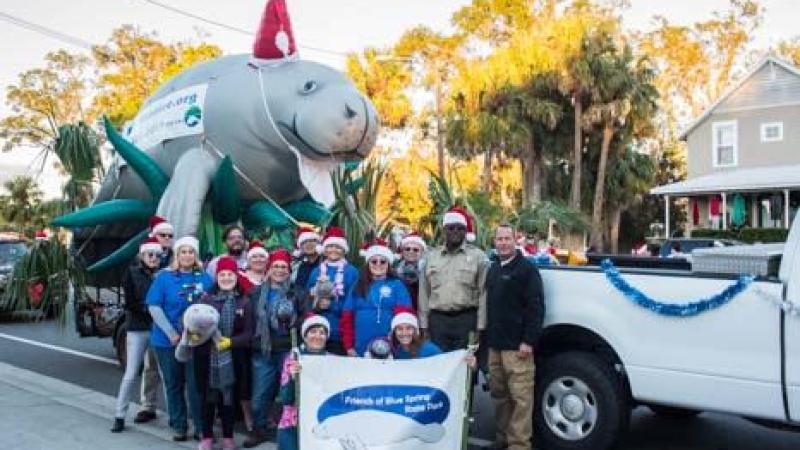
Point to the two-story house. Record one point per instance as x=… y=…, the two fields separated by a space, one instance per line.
x=743 y=160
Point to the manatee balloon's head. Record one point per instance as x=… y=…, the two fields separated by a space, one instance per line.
x=320 y=111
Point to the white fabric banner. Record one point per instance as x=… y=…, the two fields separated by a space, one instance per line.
x=360 y=404
x=175 y=115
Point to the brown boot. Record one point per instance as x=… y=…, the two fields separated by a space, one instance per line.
x=255 y=438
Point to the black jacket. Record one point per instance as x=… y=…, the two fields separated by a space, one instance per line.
x=135 y=286
x=304 y=270
x=515 y=304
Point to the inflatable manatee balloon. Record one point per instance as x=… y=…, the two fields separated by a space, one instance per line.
x=255 y=136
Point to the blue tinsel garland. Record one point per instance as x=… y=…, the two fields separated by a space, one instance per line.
x=672 y=309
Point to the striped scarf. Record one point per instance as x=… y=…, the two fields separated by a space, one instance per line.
x=338 y=279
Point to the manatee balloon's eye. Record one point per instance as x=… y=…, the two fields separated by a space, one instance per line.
x=309 y=87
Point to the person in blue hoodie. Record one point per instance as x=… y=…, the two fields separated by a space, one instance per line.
x=378 y=296
x=172 y=292
x=330 y=284
x=406 y=340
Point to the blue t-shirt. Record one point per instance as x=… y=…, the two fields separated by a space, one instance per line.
x=427 y=349
x=174 y=291
x=372 y=316
x=334 y=313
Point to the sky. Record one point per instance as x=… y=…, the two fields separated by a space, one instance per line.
x=338 y=26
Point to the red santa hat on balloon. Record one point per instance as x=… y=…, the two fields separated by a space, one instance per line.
x=159 y=224
x=378 y=247
x=459 y=215
x=274 y=40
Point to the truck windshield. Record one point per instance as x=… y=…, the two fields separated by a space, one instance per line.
x=11 y=252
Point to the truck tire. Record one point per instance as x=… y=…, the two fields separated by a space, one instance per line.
x=672 y=412
x=580 y=403
x=121 y=345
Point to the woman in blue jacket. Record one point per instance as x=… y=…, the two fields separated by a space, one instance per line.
x=378 y=296
x=330 y=284
x=172 y=292
x=406 y=340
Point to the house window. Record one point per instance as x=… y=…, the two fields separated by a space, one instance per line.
x=724 y=144
x=772 y=132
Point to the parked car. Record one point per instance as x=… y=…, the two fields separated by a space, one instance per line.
x=606 y=349
x=11 y=250
x=689 y=244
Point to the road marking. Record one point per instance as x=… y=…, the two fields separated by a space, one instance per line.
x=60 y=349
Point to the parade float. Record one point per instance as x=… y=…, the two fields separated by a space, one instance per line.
x=251 y=139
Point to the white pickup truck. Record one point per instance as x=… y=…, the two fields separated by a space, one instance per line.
x=603 y=353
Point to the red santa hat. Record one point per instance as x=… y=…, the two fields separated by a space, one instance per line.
x=150 y=245
x=280 y=255
x=40 y=235
x=274 y=39
x=459 y=215
x=257 y=248
x=227 y=263
x=335 y=236
x=413 y=238
x=377 y=247
x=159 y=224
x=305 y=234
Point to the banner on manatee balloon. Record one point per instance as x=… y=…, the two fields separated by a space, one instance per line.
x=359 y=404
x=175 y=115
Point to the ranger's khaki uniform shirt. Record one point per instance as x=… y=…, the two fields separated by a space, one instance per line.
x=453 y=282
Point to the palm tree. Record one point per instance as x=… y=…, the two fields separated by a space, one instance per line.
x=77 y=149
x=623 y=85
x=20 y=204
x=630 y=178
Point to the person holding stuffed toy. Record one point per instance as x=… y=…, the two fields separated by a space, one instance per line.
x=277 y=308
x=314 y=331
x=330 y=284
x=222 y=373
x=172 y=292
x=379 y=295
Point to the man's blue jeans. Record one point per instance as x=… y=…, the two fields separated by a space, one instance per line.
x=266 y=381
x=178 y=377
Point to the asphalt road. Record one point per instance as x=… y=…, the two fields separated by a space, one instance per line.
x=647 y=432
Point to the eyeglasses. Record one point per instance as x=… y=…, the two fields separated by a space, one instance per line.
x=412 y=249
x=152 y=255
x=280 y=266
x=164 y=235
x=378 y=262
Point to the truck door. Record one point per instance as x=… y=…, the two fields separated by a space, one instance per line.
x=790 y=276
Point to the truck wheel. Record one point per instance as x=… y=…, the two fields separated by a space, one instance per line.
x=580 y=403
x=120 y=342
x=672 y=412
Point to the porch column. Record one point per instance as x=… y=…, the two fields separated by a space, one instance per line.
x=754 y=208
x=666 y=215
x=724 y=211
x=786 y=208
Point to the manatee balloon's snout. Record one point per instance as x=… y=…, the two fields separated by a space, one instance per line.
x=339 y=122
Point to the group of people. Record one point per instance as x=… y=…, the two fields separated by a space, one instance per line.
x=414 y=305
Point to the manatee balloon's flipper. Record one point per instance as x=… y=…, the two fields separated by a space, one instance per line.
x=112 y=211
x=225 y=193
x=144 y=166
x=182 y=202
x=262 y=214
x=307 y=210
x=122 y=255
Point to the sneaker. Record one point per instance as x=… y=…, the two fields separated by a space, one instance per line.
x=228 y=444
x=180 y=437
x=206 y=444
x=119 y=425
x=255 y=438
x=144 y=416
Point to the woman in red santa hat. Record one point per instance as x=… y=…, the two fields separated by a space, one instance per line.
x=331 y=283
x=378 y=296
x=256 y=270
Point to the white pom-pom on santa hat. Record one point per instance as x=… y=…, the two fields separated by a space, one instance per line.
x=150 y=244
